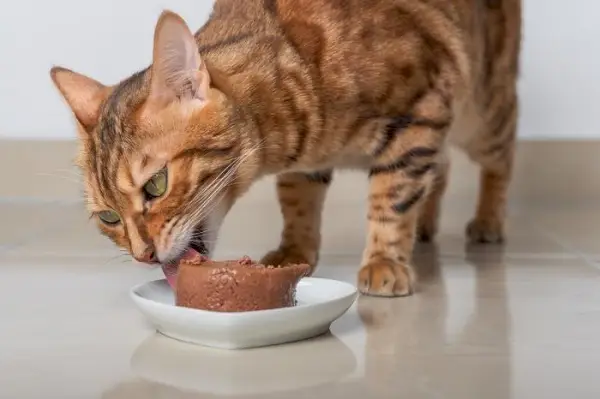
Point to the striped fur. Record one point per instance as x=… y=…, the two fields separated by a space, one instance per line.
x=298 y=88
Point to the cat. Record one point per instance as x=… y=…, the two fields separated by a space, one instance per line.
x=297 y=88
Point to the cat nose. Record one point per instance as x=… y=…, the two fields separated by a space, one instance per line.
x=148 y=256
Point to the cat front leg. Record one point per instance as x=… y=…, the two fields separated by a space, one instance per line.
x=401 y=179
x=301 y=198
x=394 y=204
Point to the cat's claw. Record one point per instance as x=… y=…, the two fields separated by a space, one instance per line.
x=384 y=278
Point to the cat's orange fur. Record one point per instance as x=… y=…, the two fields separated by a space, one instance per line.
x=297 y=88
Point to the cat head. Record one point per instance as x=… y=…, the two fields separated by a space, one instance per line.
x=163 y=153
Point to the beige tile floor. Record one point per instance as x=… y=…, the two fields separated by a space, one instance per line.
x=520 y=321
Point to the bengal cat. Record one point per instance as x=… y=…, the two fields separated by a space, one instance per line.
x=296 y=88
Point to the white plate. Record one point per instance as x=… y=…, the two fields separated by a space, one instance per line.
x=320 y=302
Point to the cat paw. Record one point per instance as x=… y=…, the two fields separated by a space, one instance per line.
x=288 y=256
x=386 y=279
x=485 y=231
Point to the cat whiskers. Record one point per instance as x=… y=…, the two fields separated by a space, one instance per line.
x=123 y=257
x=71 y=176
x=210 y=196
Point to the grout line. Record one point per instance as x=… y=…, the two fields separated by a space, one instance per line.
x=37 y=236
x=489 y=256
x=38 y=201
x=482 y=256
x=568 y=246
x=21 y=243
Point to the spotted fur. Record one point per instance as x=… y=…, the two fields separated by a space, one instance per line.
x=297 y=88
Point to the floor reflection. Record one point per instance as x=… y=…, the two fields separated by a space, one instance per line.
x=176 y=370
x=409 y=350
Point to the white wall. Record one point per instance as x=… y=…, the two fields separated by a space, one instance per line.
x=105 y=39
x=109 y=39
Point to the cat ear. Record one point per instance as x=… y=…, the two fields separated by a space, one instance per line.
x=84 y=95
x=177 y=69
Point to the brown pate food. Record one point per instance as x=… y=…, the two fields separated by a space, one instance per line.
x=236 y=286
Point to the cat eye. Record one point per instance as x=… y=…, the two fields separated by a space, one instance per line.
x=109 y=217
x=157 y=185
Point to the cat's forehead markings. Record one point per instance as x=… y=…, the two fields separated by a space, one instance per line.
x=135 y=173
x=126 y=186
x=125 y=181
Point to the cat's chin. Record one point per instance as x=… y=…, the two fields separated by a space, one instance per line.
x=170 y=269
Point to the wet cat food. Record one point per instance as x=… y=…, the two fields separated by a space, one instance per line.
x=236 y=286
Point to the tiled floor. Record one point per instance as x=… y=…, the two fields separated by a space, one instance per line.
x=522 y=321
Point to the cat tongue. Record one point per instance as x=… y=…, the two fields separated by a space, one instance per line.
x=170 y=269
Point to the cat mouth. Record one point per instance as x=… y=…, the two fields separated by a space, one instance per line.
x=199 y=246
x=196 y=249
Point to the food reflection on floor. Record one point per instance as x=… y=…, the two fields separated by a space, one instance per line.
x=518 y=321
